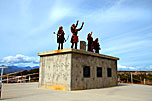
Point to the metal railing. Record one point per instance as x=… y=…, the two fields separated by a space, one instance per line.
x=12 y=78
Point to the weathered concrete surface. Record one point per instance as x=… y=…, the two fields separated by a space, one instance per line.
x=80 y=82
x=63 y=69
x=31 y=92
x=83 y=45
x=55 y=72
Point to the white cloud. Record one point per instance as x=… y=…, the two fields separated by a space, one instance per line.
x=120 y=25
x=125 y=67
x=19 y=60
x=131 y=68
x=150 y=67
x=58 y=11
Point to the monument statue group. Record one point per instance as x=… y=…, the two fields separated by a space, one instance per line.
x=72 y=69
x=74 y=39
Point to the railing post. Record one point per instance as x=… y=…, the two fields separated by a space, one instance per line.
x=119 y=79
x=140 y=80
x=131 y=78
x=144 y=81
x=0 y=90
x=29 y=78
x=1 y=81
x=21 y=78
x=7 y=78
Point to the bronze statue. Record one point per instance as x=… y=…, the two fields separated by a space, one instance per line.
x=74 y=39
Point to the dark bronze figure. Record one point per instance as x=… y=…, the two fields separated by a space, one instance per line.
x=74 y=39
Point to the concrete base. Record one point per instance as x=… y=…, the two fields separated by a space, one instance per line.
x=64 y=70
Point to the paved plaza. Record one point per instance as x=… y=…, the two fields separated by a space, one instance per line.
x=31 y=92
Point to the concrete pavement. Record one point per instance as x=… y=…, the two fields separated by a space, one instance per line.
x=31 y=92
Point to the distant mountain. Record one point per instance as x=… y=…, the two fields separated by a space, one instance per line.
x=29 y=68
x=12 y=69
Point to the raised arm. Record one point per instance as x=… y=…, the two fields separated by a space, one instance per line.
x=77 y=23
x=80 y=27
x=91 y=33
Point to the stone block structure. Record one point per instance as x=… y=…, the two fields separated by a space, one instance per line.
x=83 y=45
x=72 y=69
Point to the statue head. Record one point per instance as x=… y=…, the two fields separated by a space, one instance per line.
x=60 y=28
x=96 y=39
x=73 y=25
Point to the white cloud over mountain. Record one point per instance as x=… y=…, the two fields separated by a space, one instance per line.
x=131 y=68
x=23 y=61
x=19 y=60
x=125 y=67
x=123 y=27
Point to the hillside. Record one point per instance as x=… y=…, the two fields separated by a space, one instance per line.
x=12 y=69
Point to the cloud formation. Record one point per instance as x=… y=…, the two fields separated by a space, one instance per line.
x=131 y=68
x=123 y=27
x=19 y=60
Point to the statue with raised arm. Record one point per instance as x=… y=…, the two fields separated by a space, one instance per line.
x=74 y=30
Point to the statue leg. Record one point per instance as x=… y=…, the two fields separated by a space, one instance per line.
x=75 y=45
x=89 y=47
x=72 y=45
x=97 y=51
x=61 y=45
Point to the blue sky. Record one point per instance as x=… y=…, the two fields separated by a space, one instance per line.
x=124 y=29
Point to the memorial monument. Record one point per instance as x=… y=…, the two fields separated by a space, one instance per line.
x=77 y=69
x=74 y=69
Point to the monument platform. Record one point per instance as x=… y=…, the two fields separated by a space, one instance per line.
x=70 y=50
x=73 y=69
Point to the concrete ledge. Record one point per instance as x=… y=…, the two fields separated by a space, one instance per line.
x=70 y=50
x=55 y=52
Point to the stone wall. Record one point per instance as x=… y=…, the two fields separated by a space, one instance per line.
x=80 y=82
x=55 y=71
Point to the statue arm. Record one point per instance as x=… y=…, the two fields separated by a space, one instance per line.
x=80 y=27
x=77 y=23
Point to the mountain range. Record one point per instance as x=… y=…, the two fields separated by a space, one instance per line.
x=12 y=69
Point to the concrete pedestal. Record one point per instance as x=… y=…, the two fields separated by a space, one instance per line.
x=72 y=69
